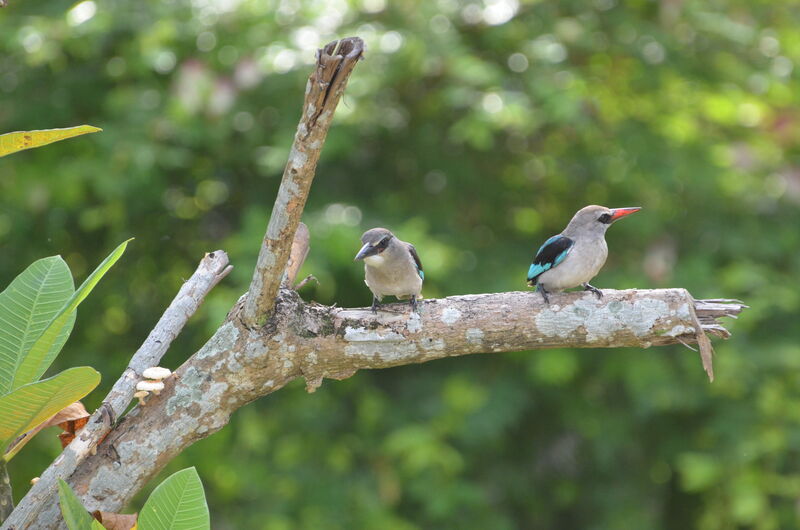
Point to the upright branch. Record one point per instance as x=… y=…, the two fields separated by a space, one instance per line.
x=335 y=63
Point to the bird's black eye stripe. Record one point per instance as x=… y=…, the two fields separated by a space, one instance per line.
x=605 y=218
x=383 y=242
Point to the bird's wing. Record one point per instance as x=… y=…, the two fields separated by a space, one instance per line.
x=414 y=255
x=549 y=255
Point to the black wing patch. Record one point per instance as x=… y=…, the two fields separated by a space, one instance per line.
x=549 y=255
x=414 y=255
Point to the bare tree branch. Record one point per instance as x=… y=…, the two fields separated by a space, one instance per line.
x=240 y=364
x=212 y=268
x=335 y=63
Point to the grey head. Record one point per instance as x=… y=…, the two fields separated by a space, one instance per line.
x=594 y=220
x=375 y=241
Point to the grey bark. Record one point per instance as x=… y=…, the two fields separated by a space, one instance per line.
x=240 y=363
x=335 y=63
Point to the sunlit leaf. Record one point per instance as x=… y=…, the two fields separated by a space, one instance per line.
x=178 y=503
x=26 y=308
x=21 y=140
x=28 y=406
x=43 y=352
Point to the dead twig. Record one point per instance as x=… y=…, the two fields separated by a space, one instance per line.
x=335 y=63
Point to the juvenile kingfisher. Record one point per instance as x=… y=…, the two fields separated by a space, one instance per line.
x=391 y=267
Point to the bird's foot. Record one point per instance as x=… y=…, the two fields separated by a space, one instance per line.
x=414 y=304
x=541 y=289
x=595 y=290
x=375 y=305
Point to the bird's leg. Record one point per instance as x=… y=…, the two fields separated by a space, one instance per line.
x=540 y=287
x=375 y=305
x=595 y=290
x=414 y=303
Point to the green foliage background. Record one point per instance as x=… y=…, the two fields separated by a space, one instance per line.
x=476 y=137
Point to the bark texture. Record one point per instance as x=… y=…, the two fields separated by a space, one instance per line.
x=335 y=63
x=241 y=363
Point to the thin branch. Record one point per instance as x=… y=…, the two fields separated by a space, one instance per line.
x=302 y=283
x=212 y=268
x=240 y=364
x=335 y=63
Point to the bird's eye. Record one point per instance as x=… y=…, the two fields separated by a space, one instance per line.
x=605 y=218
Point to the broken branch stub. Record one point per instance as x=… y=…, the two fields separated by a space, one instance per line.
x=298 y=254
x=335 y=63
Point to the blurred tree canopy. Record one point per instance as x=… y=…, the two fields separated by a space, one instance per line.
x=473 y=129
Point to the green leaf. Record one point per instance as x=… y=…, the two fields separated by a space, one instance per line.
x=43 y=352
x=21 y=140
x=28 y=406
x=75 y=515
x=177 y=503
x=26 y=308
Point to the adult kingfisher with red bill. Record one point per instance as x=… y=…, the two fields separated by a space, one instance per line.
x=577 y=254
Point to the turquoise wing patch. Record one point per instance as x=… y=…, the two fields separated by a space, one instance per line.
x=550 y=255
x=536 y=269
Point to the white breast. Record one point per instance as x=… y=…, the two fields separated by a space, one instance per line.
x=581 y=265
x=400 y=280
x=375 y=261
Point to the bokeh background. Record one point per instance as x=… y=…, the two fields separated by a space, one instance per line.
x=473 y=129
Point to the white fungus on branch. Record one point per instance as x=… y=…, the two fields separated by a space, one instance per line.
x=156 y=373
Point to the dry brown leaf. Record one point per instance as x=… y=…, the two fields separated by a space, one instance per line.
x=71 y=418
x=706 y=349
x=70 y=413
x=116 y=521
x=66 y=438
x=706 y=354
